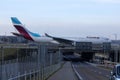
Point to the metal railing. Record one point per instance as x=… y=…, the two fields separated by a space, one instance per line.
x=33 y=64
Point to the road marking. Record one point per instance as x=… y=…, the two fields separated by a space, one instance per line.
x=78 y=75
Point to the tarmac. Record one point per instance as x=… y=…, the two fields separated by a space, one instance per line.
x=65 y=73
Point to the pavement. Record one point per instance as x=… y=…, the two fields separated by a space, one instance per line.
x=90 y=71
x=65 y=73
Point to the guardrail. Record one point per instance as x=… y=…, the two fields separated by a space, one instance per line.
x=37 y=74
x=35 y=65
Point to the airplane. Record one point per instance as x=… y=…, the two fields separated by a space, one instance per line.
x=24 y=32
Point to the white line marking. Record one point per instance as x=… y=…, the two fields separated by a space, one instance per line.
x=78 y=75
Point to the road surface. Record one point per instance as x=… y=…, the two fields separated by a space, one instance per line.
x=91 y=72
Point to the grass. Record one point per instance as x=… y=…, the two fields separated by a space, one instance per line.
x=8 y=53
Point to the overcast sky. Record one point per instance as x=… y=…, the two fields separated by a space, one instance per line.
x=64 y=18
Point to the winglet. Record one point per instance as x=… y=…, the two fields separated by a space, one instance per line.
x=47 y=35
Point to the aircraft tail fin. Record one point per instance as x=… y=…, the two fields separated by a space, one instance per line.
x=15 y=21
x=22 y=30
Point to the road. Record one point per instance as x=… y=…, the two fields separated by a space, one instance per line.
x=91 y=72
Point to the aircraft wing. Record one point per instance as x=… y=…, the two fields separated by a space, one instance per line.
x=61 y=40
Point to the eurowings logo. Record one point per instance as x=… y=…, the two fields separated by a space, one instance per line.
x=22 y=30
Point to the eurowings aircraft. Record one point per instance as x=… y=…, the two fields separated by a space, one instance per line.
x=24 y=32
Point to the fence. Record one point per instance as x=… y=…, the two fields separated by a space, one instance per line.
x=28 y=64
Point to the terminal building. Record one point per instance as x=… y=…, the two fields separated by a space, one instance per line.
x=92 y=47
x=115 y=51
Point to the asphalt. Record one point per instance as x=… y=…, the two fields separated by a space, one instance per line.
x=65 y=73
x=89 y=71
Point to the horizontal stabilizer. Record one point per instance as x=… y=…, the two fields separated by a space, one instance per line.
x=16 y=34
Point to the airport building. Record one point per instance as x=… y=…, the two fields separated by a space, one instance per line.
x=107 y=50
x=89 y=50
x=91 y=47
x=12 y=39
x=115 y=51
